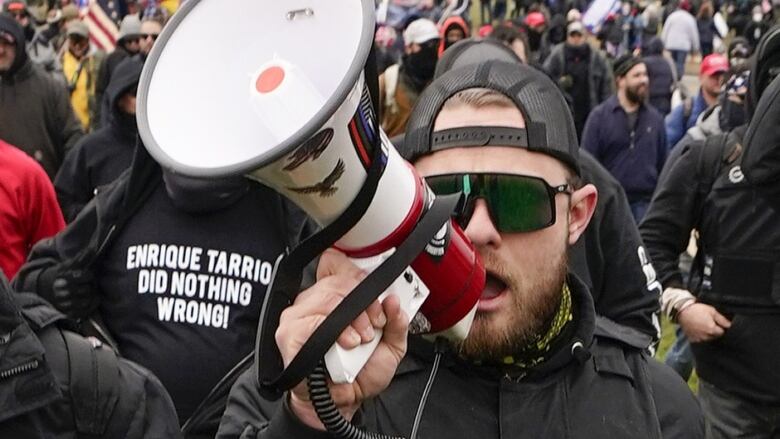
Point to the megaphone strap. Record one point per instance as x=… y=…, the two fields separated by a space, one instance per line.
x=363 y=295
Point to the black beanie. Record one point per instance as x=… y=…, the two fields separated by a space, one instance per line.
x=624 y=63
x=549 y=127
x=10 y=26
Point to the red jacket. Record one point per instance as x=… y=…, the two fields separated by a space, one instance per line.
x=29 y=210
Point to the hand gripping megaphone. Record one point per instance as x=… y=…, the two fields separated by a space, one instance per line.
x=284 y=101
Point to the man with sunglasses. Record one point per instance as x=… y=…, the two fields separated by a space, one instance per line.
x=537 y=361
x=150 y=30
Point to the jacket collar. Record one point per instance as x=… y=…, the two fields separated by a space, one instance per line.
x=613 y=104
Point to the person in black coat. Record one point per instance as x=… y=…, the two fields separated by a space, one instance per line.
x=583 y=377
x=50 y=386
x=101 y=156
x=661 y=74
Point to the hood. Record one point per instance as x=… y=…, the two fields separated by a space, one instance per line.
x=124 y=78
x=766 y=63
x=707 y=124
x=9 y=25
x=653 y=46
x=449 y=23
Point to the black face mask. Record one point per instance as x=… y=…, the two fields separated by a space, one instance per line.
x=195 y=195
x=731 y=115
x=534 y=39
x=420 y=66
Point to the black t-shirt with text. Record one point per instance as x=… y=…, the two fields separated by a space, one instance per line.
x=181 y=292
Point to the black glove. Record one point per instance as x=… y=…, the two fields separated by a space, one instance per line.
x=72 y=291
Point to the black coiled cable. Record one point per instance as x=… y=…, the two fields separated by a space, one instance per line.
x=337 y=425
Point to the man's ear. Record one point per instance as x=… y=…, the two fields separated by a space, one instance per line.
x=583 y=204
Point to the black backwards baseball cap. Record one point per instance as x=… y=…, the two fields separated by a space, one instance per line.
x=549 y=127
x=472 y=51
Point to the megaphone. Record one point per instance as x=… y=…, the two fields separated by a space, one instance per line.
x=286 y=103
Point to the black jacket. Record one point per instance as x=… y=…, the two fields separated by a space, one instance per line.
x=101 y=156
x=744 y=360
x=611 y=259
x=35 y=111
x=44 y=393
x=104 y=78
x=86 y=239
x=615 y=392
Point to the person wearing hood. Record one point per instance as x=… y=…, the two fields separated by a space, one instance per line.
x=127 y=44
x=101 y=156
x=453 y=30
x=176 y=267
x=40 y=47
x=35 y=111
x=729 y=308
x=582 y=73
x=661 y=73
x=402 y=83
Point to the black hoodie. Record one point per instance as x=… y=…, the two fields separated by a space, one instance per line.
x=35 y=111
x=101 y=156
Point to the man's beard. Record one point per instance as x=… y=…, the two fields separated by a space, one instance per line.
x=636 y=94
x=534 y=302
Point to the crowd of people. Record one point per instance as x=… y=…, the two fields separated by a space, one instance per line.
x=130 y=294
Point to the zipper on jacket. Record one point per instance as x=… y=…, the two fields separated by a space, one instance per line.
x=18 y=370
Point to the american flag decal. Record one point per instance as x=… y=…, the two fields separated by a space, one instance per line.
x=101 y=17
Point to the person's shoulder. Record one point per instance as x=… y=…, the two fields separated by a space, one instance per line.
x=677 y=408
x=16 y=162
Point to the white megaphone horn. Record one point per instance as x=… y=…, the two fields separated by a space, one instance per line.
x=284 y=101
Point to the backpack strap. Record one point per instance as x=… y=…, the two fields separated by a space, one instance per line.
x=94 y=384
x=708 y=166
x=687 y=109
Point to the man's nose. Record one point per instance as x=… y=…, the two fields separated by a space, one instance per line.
x=480 y=229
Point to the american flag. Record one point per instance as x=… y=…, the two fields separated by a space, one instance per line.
x=102 y=16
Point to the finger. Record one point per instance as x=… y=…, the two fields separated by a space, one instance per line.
x=721 y=320
x=333 y=261
x=397 y=325
x=364 y=327
x=376 y=315
x=349 y=338
x=716 y=332
x=322 y=297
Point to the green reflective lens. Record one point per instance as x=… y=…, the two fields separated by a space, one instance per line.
x=517 y=203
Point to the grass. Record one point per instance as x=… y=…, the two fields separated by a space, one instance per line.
x=667 y=339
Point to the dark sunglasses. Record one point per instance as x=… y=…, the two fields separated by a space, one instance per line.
x=152 y=36
x=516 y=203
